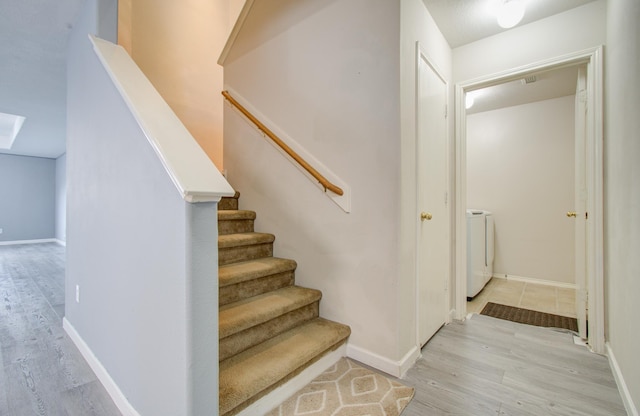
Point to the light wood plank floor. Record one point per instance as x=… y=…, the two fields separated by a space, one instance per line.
x=488 y=366
x=483 y=366
x=41 y=371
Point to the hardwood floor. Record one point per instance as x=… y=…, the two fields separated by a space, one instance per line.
x=487 y=366
x=41 y=371
x=483 y=366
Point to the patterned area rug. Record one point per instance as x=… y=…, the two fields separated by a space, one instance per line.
x=526 y=316
x=347 y=389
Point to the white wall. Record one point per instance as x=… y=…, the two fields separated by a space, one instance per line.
x=622 y=193
x=27 y=204
x=417 y=26
x=61 y=198
x=144 y=260
x=574 y=30
x=520 y=166
x=326 y=73
x=176 y=44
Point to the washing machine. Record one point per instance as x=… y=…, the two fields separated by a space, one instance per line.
x=480 y=250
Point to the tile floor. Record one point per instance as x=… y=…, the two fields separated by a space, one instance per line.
x=543 y=298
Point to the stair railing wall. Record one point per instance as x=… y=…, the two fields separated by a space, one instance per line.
x=142 y=231
x=197 y=179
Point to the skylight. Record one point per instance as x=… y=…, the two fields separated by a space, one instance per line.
x=9 y=128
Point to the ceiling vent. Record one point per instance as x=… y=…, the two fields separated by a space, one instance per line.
x=529 y=80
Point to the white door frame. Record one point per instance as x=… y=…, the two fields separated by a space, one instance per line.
x=595 y=264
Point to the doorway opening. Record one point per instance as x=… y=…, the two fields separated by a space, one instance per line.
x=521 y=172
x=588 y=243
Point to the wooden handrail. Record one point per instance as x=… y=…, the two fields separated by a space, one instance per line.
x=326 y=184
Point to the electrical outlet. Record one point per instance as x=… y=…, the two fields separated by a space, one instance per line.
x=0 y=230
x=77 y=293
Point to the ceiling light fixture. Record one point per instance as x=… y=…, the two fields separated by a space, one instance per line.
x=468 y=101
x=510 y=13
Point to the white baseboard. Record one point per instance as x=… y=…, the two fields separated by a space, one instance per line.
x=288 y=389
x=630 y=407
x=112 y=388
x=394 y=368
x=44 y=240
x=533 y=280
x=452 y=316
x=61 y=242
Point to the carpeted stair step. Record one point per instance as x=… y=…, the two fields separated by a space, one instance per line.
x=243 y=280
x=247 y=376
x=251 y=321
x=229 y=202
x=233 y=248
x=235 y=221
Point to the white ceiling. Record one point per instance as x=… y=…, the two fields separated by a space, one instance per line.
x=33 y=42
x=550 y=84
x=465 y=21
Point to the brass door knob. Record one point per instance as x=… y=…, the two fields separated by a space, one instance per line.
x=426 y=216
x=572 y=214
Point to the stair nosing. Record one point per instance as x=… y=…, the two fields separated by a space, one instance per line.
x=241 y=315
x=244 y=239
x=230 y=274
x=309 y=330
x=236 y=214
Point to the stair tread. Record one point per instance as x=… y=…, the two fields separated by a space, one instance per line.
x=244 y=314
x=233 y=273
x=244 y=239
x=229 y=202
x=236 y=214
x=261 y=368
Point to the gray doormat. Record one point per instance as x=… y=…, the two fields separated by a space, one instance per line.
x=529 y=317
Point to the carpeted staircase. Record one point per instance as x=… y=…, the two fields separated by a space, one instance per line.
x=269 y=328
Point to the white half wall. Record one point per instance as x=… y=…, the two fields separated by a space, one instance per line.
x=141 y=276
x=622 y=193
x=520 y=166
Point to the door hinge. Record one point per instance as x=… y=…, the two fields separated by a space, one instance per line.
x=446 y=111
x=586 y=215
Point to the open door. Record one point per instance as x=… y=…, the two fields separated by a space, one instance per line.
x=580 y=214
x=432 y=216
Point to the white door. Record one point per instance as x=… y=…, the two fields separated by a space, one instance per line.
x=432 y=216
x=579 y=214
